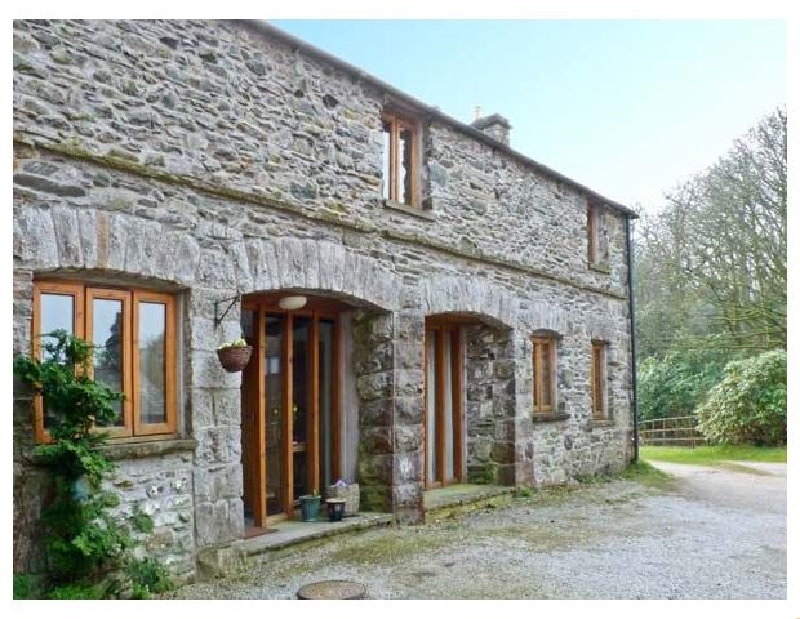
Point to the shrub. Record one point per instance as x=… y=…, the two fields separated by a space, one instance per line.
x=677 y=385
x=88 y=548
x=147 y=576
x=748 y=406
x=26 y=587
x=76 y=591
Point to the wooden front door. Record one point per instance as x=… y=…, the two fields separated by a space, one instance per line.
x=290 y=407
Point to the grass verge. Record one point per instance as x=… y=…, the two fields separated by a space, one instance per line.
x=713 y=454
x=646 y=474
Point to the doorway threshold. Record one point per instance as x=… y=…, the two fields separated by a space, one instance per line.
x=450 y=501
x=291 y=532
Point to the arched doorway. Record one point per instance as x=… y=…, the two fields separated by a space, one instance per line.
x=444 y=400
x=291 y=404
x=469 y=402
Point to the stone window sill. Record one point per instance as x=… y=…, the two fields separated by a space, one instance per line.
x=545 y=417
x=148 y=449
x=409 y=210
x=600 y=267
x=601 y=423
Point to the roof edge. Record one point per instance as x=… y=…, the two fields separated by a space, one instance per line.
x=265 y=29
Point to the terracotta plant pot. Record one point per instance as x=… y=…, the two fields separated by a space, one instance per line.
x=235 y=358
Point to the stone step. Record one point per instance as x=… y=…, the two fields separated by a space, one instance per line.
x=453 y=501
x=291 y=532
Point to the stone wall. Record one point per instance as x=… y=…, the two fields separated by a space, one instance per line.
x=162 y=487
x=206 y=159
x=490 y=405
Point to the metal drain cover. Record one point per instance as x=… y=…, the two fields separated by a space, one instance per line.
x=332 y=590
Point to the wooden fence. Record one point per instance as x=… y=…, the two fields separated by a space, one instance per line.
x=671 y=432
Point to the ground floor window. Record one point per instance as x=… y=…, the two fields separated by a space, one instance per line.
x=544 y=375
x=598 y=378
x=133 y=335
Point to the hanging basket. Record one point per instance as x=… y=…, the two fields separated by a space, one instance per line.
x=234 y=358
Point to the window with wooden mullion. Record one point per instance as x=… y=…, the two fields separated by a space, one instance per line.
x=56 y=306
x=108 y=328
x=154 y=363
x=598 y=380
x=591 y=227
x=544 y=357
x=133 y=336
x=399 y=160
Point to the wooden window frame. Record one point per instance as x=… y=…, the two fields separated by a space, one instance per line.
x=591 y=232
x=396 y=123
x=599 y=374
x=170 y=421
x=76 y=291
x=539 y=343
x=127 y=338
x=82 y=322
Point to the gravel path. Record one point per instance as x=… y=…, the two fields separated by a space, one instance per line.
x=713 y=533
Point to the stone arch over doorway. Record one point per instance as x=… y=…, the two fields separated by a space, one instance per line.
x=469 y=296
x=320 y=267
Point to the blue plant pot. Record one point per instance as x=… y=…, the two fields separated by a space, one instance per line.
x=309 y=507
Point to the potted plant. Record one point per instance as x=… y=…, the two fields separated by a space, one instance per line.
x=349 y=492
x=234 y=356
x=309 y=506
x=335 y=509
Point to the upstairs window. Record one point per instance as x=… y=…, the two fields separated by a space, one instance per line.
x=591 y=234
x=133 y=333
x=400 y=160
x=544 y=375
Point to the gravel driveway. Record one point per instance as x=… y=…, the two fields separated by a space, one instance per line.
x=712 y=533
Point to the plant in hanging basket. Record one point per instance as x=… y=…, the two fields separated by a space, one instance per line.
x=234 y=356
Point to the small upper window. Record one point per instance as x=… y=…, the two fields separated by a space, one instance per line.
x=591 y=234
x=400 y=166
x=544 y=374
x=133 y=337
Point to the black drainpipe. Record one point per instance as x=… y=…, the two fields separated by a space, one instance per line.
x=633 y=339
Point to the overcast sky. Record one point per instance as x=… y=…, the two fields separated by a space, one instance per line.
x=628 y=108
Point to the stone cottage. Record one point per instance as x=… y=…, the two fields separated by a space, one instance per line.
x=426 y=305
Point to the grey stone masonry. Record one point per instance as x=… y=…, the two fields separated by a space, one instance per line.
x=208 y=158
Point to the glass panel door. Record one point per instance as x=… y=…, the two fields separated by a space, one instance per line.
x=443 y=424
x=431 y=438
x=448 y=406
x=301 y=379
x=274 y=378
x=326 y=403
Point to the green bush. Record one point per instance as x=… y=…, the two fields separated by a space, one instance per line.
x=76 y=591
x=26 y=587
x=748 y=406
x=147 y=576
x=676 y=385
x=88 y=547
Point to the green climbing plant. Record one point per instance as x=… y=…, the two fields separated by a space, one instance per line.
x=88 y=548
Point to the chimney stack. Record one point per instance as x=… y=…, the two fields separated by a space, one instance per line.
x=495 y=126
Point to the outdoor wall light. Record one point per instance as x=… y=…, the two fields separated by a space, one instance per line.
x=292 y=303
